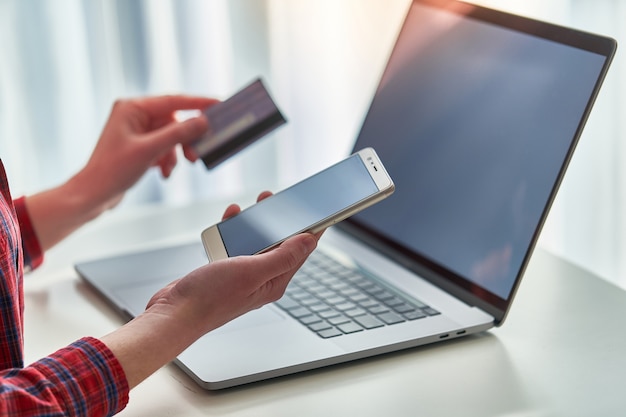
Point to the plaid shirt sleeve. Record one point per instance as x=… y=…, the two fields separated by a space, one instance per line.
x=83 y=379
x=33 y=255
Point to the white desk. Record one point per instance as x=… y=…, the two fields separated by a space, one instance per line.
x=561 y=352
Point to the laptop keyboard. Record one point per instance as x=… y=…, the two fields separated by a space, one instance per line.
x=332 y=299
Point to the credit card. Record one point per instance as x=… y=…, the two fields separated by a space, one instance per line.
x=237 y=122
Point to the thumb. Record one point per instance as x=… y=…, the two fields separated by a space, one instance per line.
x=176 y=133
x=289 y=256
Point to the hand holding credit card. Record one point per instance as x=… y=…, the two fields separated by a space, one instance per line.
x=236 y=123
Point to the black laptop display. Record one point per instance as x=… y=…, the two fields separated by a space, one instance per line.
x=479 y=120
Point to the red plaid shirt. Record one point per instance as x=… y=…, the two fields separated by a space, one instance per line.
x=83 y=379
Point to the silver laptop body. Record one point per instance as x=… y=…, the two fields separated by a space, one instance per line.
x=475 y=117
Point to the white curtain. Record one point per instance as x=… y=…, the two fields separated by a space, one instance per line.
x=62 y=63
x=327 y=56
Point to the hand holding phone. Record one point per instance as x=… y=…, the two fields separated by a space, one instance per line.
x=311 y=205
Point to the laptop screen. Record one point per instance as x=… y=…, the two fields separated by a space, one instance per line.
x=475 y=118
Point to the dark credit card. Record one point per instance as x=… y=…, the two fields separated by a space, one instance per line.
x=236 y=123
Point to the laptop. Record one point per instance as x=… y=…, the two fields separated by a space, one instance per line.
x=476 y=117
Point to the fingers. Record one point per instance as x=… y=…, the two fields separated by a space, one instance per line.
x=164 y=131
x=234 y=209
x=176 y=133
x=167 y=163
x=263 y=195
x=230 y=211
x=166 y=105
x=190 y=154
x=294 y=253
x=287 y=257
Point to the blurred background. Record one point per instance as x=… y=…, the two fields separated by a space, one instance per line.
x=63 y=63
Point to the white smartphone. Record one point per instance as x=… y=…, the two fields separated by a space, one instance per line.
x=310 y=205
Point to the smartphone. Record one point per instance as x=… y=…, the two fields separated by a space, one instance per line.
x=310 y=205
x=237 y=122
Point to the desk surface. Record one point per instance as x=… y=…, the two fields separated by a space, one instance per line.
x=561 y=351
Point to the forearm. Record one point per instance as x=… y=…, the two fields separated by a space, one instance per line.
x=146 y=344
x=139 y=134
x=59 y=211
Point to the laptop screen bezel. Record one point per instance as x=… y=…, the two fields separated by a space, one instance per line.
x=448 y=280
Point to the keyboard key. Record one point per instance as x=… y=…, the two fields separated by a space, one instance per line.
x=350 y=327
x=355 y=312
x=298 y=294
x=430 y=311
x=378 y=309
x=350 y=292
x=319 y=326
x=414 y=315
x=390 y=318
x=382 y=295
x=325 y=295
x=335 y=300
x=329 y=333
x=299 y=312
x=328 y=313
x=316 y=308
x=287 y=303
x=310 y=319
x=394 y=301
x=357 y=297
x=310 y=301
x=368 y=303
x=345 y=306
x=338 y=286
x=369 y=322
x=402 y=308
x=338 y=320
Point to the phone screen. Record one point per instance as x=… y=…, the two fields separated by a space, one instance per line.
x=296 y=208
